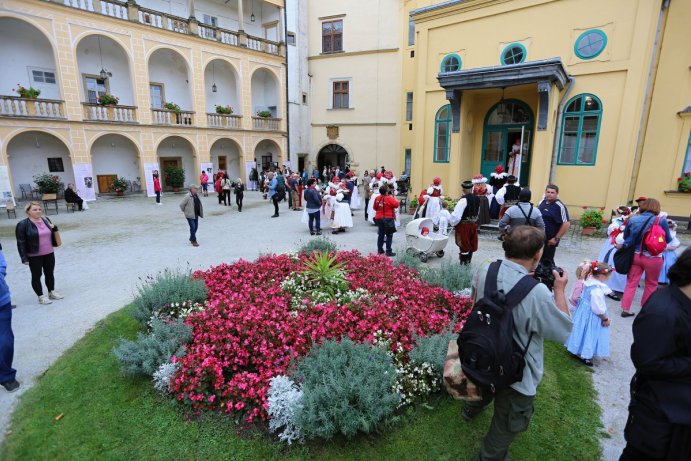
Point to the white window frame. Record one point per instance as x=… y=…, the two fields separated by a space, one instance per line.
x=30 y=71
x=290 y=35
x=351 y=101
x=210 y=20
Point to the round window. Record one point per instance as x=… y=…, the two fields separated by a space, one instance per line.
x=513 y=54
x=590 y=44
x=451 y=63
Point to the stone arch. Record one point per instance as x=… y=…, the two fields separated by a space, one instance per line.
x=226 y=154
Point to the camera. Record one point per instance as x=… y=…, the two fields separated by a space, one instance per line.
x=543 y=274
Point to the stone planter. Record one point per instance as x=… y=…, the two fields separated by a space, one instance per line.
x=120 y=193
x=588 y=231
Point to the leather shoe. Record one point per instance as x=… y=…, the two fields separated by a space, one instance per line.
x=627 y=314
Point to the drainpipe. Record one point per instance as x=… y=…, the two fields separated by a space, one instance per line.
x=557 y=134
x=645 y=113
x=284 y=39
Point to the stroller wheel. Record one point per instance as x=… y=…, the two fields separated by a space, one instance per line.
x=440 y=253
x=410 y=251
x=423 y=257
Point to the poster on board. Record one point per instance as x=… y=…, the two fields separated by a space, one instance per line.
x=6 y=194
x=149 y=170
x=209 y=168
x=248 y=169
x=84 y=180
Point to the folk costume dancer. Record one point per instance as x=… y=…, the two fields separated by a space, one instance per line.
x=617 y=282
x=421 y=210
x=497 y=180
x=355 y=199
x=434 y=197
x=507 y=196
x=341 y=216
x=515 y=158
x=480 y=190
x=374 y=187
x=464 y=218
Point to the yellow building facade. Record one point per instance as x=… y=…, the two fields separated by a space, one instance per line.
x=169 y=74
x=592 y=95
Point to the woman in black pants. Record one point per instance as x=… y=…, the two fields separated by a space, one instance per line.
x=239 y=193
x=35 y=242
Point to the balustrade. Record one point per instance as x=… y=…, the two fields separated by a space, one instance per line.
x=13 y=106
x=266 y=123
x=118 y=114
x=170 y=117
x=233 y=122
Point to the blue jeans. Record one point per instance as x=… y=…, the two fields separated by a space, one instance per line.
x=382 y=236
x=194 y=224
x=7 y=373
x=314 y=221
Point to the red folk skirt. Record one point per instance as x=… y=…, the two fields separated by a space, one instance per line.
x=466 y=237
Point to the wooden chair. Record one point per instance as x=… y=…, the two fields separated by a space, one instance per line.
x=71 y=207
x=11 y=209
x=50 y=200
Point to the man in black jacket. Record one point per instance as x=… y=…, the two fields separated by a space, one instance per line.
x=659 y=424
x=72 y=197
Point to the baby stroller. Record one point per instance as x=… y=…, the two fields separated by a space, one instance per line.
x=422 y=241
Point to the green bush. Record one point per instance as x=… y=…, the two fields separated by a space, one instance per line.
x=450 y=276
x=592 y=218
x=148 y=352
x=157 y=293
x=346 y=387
x=408 y=260
x=175 y=176
x=321 y=244
x=432 y=349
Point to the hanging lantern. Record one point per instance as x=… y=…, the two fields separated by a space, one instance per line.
x=213 y=88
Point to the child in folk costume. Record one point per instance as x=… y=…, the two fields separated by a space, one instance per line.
x=669 y=256
x=444 y=218
x=617 y=282
x=421 y=210
x=328 y=204
x=485 y=196
x=434 y=197
x=590 y=334
x=342 y=217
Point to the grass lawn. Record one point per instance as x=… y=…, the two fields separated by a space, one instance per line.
x=107 y=416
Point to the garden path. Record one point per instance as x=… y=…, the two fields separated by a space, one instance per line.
x=110 y=247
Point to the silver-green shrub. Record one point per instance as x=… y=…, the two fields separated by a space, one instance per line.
x=285 y=399
x=321 y=244
x=156 y=294
x=164 y=375
x=347 y=388
x=145 y=355
x=451 y=276
x=408 y=260
x=432 y=350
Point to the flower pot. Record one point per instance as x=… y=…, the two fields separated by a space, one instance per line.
x=176 y=189
x=588 y=230
x=119 y=193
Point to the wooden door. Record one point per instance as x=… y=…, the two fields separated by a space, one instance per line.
x=104 y=181
x=222 y=166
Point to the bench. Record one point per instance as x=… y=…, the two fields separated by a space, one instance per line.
x=71 y=207
x=49 y=200
x=683 y=224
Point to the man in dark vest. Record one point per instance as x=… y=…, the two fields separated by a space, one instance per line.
x=507 y=196
x=464 y=218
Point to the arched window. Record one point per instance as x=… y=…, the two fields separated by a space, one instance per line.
x=451 y=63
x=580 y=130
x=513 y=54
x=590 y=44
x=442 y=132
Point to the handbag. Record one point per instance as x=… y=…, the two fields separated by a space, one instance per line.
x=623 y=258
x=57 y=240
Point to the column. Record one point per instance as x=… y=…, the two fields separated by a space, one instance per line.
x=281 y=25
x=190 y=8
x=241 y=16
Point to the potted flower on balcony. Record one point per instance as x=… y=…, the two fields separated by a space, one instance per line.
x=47 y=183
x=172 y=106
x=684 y=182
x=264 y=114
x=119 y=186
x=591 y=221
x=27 y=93
x=108 y=100
x=175 y=177
x=224 y=110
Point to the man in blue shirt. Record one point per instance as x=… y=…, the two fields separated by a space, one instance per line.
x=556 y=218
x=7 y=373
x=273 y=194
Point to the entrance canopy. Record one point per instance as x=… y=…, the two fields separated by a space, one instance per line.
x=544 y=73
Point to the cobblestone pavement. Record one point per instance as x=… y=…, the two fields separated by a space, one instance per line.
x=110 y=247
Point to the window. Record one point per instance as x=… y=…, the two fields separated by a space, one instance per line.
x=687 y=162
x=290 y=38
x=94 y=87
x=408 y=160
x=513 y=54
x=411 y=31
x=451 y=63
x=442 y=131
x=55 y=165
x=580 y=131
x=341 y=93
x=210 y=20
x=590 y=44
x=157 y=95
x=332 y=36
x=409 y=106
x=43 y=76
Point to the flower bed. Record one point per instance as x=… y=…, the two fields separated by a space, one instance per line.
x=253 y=329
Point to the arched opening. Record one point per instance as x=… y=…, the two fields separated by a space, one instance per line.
x=115 y=156
x=33 y=153
x=265 y=93
x=332 y=155
x=27 y=59
x=508 y=127
x=225 y=156
x=267 y=154
x=175 y=151
x=221 y=87
x=169 y=80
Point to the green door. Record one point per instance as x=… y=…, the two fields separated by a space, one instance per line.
x=506 y=123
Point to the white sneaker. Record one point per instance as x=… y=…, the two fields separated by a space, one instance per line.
x=43 y=299
x=158 y=203
x=55 y=295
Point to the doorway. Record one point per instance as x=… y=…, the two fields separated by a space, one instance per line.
x=505 y=125
x=332 y=155
x=167 y=162
x=104 y=181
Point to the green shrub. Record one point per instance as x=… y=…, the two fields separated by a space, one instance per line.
x=175 y=176
x=321 y=244
x=592 y=218
x=148 y=352
x=346 y=387
x=169 y=286
x=450 y=276
x=432 y=349
x=408 y=260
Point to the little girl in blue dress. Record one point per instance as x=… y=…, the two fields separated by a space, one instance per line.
x=590 y=334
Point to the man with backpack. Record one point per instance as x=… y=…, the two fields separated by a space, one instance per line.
x=521 y=213
x=502 y=343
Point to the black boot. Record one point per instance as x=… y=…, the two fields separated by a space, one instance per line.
x=465 y=258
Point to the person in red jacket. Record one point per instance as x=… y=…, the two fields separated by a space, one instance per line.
x=157 y=187
x=385 y=207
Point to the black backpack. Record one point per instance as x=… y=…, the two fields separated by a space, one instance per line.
x=489 y=355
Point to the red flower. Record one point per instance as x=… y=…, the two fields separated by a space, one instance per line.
x=603 y=208
x=585 y=207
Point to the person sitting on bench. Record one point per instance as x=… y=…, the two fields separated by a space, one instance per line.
x=72 y=197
